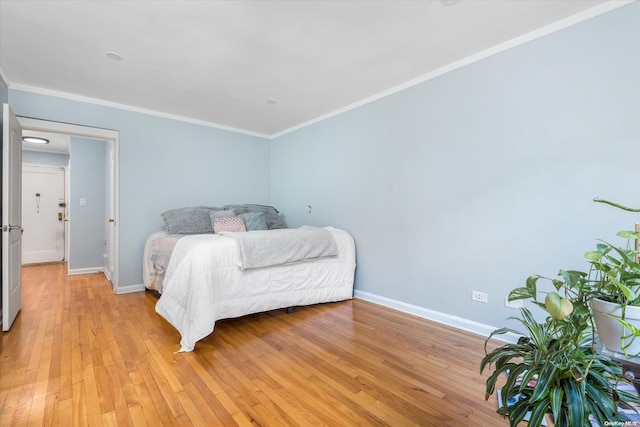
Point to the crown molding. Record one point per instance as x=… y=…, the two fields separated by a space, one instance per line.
x=102 y=102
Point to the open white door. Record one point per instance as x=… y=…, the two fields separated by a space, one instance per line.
x=110 y=211
x=11 y=217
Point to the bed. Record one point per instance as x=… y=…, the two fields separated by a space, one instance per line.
x=206 y=277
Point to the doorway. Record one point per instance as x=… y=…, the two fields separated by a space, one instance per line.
x=43 y=213
x=109 y=140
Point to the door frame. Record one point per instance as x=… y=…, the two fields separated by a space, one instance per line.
x=39 y=125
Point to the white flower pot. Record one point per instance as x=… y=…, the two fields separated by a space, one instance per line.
x=611 y=331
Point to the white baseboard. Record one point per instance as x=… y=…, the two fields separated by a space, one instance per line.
x=90 y=270
x=119 y=291
x=436 y=316
x=129 y=289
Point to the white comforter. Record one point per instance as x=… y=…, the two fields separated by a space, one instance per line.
x=203 y=283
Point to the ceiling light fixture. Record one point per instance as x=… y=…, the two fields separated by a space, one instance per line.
x=114 y=56
x=35 y=140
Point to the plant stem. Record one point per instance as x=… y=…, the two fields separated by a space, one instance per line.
x=617 y=205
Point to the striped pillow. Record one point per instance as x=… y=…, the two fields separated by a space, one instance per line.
x=229 y=223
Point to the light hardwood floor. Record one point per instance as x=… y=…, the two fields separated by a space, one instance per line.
x=80 y=355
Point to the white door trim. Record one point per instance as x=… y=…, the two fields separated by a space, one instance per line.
x=93 y=133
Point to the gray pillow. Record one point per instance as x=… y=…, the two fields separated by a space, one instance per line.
x=270 y=213
x=222 y=214
x=190 y=220
x=255 y=221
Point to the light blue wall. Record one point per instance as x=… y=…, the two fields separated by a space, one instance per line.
x=87 y=222
x=40 y=158
x=478 y=178
x=164 y=164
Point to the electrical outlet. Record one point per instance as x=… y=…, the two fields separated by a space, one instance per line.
x=513 y=304
x=479 y=296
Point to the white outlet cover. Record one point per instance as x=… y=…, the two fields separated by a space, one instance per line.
x=480 y=296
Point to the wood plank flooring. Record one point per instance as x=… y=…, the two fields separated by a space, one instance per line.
x=78 y=355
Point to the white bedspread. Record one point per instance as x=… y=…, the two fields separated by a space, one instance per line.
x=264 y=248
x=203 y=283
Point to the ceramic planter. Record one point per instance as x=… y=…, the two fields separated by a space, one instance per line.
x=611 y=331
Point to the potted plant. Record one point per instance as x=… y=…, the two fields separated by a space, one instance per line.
x=554 y=372
x=615 y=291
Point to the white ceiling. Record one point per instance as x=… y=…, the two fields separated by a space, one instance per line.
x=220 y=61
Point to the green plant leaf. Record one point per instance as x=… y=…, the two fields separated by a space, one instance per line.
x=575 y=403
x=603 y=248
x=518 y=412
x=631 y=235
x=572 y=278
x=491 y=381
x=633 y=331
x=628 y=293
x=490 y=386
x=624 y=254
x=597 y=412
x=498 y=332
x=536 y=331
x=510 y=389
x=531 y=283
x=548 y=375
x=558 y=284
x=593 y=256
x=597 y=378
x=521 y=293
x=601 y=396
x=556 y=396
x=541 y=305
x=502 y=354
x=628 y=339
x=628 y=397
x=529 y=375
x=538 y=412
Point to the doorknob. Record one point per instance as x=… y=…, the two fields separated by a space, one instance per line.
x=112 y=220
